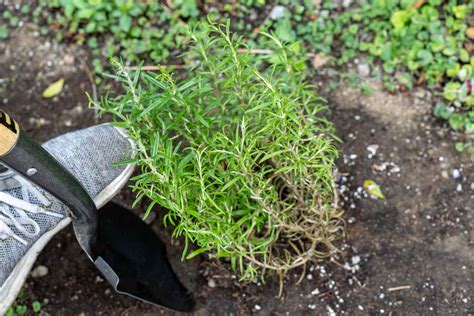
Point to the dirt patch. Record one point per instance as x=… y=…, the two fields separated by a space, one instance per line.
x=29 y=63
x=417 y=244
x=411 y=253
x=398 y=110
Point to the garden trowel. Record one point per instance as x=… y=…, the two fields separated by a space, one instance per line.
x=126 y=250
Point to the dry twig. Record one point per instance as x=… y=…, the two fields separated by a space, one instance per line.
x=316 y=59
x=399 y=288
x=93 y=85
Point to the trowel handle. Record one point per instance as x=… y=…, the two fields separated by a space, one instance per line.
x=21 y=153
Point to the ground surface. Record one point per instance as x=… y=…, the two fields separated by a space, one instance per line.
x=412 y=253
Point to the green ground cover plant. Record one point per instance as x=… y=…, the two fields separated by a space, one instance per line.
x=133 y=29
x=415 y=41
x=238 y=151
x=20 y=307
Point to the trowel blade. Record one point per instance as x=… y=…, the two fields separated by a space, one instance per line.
x=140 y=264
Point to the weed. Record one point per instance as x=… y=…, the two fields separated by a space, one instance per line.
x=20 y=307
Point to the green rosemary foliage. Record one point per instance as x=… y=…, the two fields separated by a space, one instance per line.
x=238 y=152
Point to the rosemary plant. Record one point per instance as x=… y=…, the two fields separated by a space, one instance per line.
x=238 y=152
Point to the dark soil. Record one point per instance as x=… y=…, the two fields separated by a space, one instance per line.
x=415 y=247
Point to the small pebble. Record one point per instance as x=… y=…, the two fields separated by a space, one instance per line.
x=363 y=69
x=39 y=272
x=355 y=260
x=373 y=149
x=456 y=174
x=277 y=12
x=211 y=283
x=315 y=292
x=346 y=3
x=331 y=312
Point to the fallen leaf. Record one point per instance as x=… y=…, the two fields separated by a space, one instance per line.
x=420 y=79
x=320 y=60
x=317 y=4
x=54 y=89
x=470 y=32
x=418 y=4
x=373 y=189
x=469 y=47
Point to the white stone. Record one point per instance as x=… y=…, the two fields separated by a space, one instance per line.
x=355 y=260
x=363 y=69
x=278 y=12
x=211 y=283
x=346 y=3
x=39 y=272
x=331 y=312
x=373 y=149
x=456 y=174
